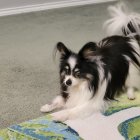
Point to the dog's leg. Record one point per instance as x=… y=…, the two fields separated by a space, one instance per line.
x=58 y=102
x=130 y=93
x=80 y=111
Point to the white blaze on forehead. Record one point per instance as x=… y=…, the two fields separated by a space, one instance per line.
x=72 y=62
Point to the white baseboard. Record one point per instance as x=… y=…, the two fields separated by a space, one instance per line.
x=46 y=6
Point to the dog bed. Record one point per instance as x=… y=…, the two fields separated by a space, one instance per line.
x=121 y=121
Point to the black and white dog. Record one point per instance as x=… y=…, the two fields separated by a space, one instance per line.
x=92 y=77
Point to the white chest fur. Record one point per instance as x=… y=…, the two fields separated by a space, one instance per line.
x=78 y=95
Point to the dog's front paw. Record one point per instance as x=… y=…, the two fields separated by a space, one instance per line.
x=130 y=94
x=46 y=108
x=131 y=97
x=60 y=116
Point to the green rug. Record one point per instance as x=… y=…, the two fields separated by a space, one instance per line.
x=130 y=128
x=123 y=103
x=42 y=128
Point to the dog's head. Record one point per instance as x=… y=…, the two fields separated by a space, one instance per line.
x=76 y=68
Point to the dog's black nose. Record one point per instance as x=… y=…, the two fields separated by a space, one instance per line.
x=68 y=82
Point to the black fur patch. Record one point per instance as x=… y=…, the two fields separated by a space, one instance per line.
x=112 y=52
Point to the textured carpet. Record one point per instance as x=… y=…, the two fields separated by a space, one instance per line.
x=28 y=75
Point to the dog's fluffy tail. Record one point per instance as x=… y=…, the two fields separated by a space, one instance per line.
x=122 y=22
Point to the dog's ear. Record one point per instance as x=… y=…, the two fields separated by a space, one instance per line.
x=87 y=51
x=62 y=48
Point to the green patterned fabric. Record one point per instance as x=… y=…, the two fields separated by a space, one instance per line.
x=123 y=103
x=7 y=134
x=44 y=128
x=39 y=129
x=130 y=128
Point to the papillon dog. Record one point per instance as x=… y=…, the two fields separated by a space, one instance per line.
x=91 y=78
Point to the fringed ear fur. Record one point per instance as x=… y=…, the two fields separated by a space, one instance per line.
x=62 y=48
x=87 y=51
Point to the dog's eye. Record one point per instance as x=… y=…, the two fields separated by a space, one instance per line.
x=67 y=71
x=77 y=74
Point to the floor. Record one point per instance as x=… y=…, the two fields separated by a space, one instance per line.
x=28 y=75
